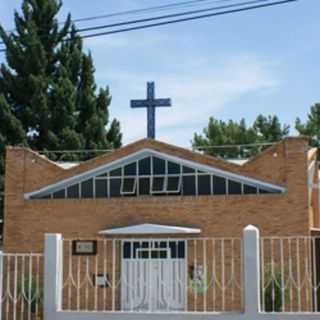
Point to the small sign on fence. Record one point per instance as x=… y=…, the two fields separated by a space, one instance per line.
x=84 y=247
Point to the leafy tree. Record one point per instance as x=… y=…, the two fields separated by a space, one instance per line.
x=312 y=127
x=269 y=128
x=232 y=133
x=224 y=133
x=48 y=95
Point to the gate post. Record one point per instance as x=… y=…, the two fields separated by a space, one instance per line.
x=52 y=275
x=251 y=254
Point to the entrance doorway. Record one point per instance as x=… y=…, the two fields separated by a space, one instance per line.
x=153 y=275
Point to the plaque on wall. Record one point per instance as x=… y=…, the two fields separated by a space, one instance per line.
x=100 y=280
x=84 y=247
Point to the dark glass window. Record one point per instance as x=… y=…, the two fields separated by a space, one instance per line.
x=47 y=196
x=173 y=168
x=249 y=189
x=145 y=166
x=126 y=250
x=59 y=194
x=73 y=191
x=189 y=185
x=158 y=184
x=115 y=185
x=142 y=251
x=234 y=187
x=87 y=189
x=264 y=191
x=204 y=185
x=159 y=254
x=101 y=188
x=177 y=249
x=130 y=169
x=116 y=173
x=144 y=186
x=219 y=185
x=128 y=185
x=173 y=184
x=187 y=170
x=103 y=175
x=159 y=166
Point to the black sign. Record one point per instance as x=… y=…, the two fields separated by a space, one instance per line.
x=84 y=247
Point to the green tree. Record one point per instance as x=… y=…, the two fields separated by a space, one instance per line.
x=269 y=128
x=11 y=133
x=93 y=115
x=312 y=127
x=27 y=77
x=232 y=133
x=47 y=87
x=220 y=133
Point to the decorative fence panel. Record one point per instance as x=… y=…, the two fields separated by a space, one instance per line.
x=21 y=280
x=271 y=278
x=196 y=275
x=290 y=274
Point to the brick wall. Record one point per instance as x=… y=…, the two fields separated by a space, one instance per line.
x=26 y=221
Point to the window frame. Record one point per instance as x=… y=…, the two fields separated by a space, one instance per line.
x=184 y=169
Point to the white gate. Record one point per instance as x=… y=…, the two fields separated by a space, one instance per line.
x=153 y=275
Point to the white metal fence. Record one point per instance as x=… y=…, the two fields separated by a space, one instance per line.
x=21 y=285
x=290 y=274
x=198 y=275
x=274 y=278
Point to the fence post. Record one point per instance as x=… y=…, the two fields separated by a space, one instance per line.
x=1 y=282
x=251 y=254
x=52 y=275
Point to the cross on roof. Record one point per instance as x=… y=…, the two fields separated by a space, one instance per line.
x=151 y=103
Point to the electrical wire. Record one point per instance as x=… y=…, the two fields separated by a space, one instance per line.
x=171 y=15
x=246 y=8
x=145 y=10
x=188 y=19
x=228 y=146
x=139 y=11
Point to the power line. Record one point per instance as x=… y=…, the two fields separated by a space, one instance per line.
x=247 y=8
x=228 y=146
x=188 y=19
x=170 y=15
x=139 y=11
x=74 y=151
x=143 y=10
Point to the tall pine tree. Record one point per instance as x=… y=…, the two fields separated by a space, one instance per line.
x=48 y=95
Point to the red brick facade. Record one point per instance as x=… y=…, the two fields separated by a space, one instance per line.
x=285 y=164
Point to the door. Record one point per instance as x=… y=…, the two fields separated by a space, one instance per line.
x=153 y=275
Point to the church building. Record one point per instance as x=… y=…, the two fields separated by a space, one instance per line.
x=153 y=183
x=150 y=208
x=155 y=227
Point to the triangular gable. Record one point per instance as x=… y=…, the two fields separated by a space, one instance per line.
x=136 y=156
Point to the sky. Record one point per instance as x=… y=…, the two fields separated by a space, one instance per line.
x=228 y=67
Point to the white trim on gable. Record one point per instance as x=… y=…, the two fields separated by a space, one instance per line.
x=147 y=153
x=149 y=228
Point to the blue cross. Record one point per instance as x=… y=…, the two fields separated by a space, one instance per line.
x=151 y=103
